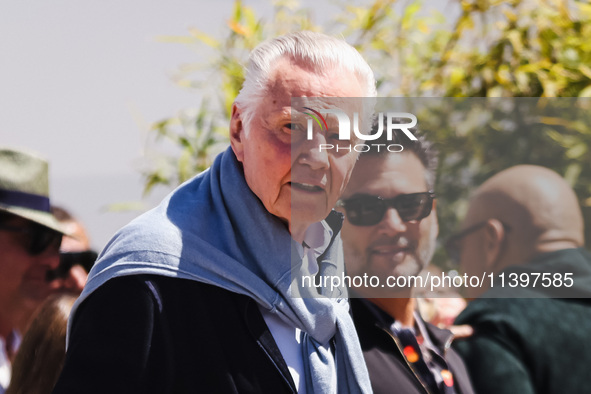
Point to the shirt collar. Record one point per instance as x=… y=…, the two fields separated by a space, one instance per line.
x=394 y=325
x=318 y=236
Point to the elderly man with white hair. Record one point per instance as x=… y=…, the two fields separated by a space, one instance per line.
x=196 y=295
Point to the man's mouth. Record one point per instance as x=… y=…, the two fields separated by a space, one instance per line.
x=307 y=187
x=35 y=275
x=391 y=250
x=387 y=250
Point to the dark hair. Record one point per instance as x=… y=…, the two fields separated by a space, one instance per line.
x=5 y=216
x=422 y=148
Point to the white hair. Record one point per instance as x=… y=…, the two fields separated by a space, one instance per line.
x=319 y=52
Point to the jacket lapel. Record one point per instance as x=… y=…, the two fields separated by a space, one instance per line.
x=262 y=335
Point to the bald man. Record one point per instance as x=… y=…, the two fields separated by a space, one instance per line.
x=526 y=221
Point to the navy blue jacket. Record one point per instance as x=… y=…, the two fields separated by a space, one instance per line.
x=151 y=334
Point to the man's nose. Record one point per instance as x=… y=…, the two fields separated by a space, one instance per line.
x=391 y=223
x=49 y=258
x=311 y=155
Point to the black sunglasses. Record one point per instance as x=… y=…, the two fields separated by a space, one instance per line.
x=453 y=245
x=368 y=210
x=39 y=238
x=85 y=259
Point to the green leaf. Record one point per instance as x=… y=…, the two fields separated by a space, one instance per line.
x=586 y=92
x=572 y=173
x=205 y=38
x=576 y=151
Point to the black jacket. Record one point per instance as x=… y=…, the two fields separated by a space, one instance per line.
x=152 y=334
x=533 y=343
x=388 y=369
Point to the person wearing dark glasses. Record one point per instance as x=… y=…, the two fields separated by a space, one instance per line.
x=389 y=232
x=76 y=256
x=30 y=238
x=531 y=330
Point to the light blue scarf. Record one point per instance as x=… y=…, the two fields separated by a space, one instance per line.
x=213 y=229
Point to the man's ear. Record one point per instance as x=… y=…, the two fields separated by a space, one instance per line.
x=237 y=133
x=494 y=236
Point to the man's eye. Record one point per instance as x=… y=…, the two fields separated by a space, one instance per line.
x=291 y=127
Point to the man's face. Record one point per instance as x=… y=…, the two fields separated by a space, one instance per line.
x=22 y=275
x=471 y=247
x=472 y=259
x=392 y=247
x=78 y=241
x=286 y=171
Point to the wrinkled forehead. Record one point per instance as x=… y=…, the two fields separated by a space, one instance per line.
x=387 y=175
x=346 y=104
x=290 y=79
x=351 y=110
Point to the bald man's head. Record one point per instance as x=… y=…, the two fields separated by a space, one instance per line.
x=538 y=211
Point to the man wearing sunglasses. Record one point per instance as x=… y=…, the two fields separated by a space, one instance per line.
x=531 y=331
x=76 y=256
x=29 y=247
x=389 y=232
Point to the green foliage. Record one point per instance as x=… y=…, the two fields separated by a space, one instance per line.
x=490 y=48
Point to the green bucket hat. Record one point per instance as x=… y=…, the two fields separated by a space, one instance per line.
x=24 y=187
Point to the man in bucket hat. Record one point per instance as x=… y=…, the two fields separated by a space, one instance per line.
x=29 y=247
